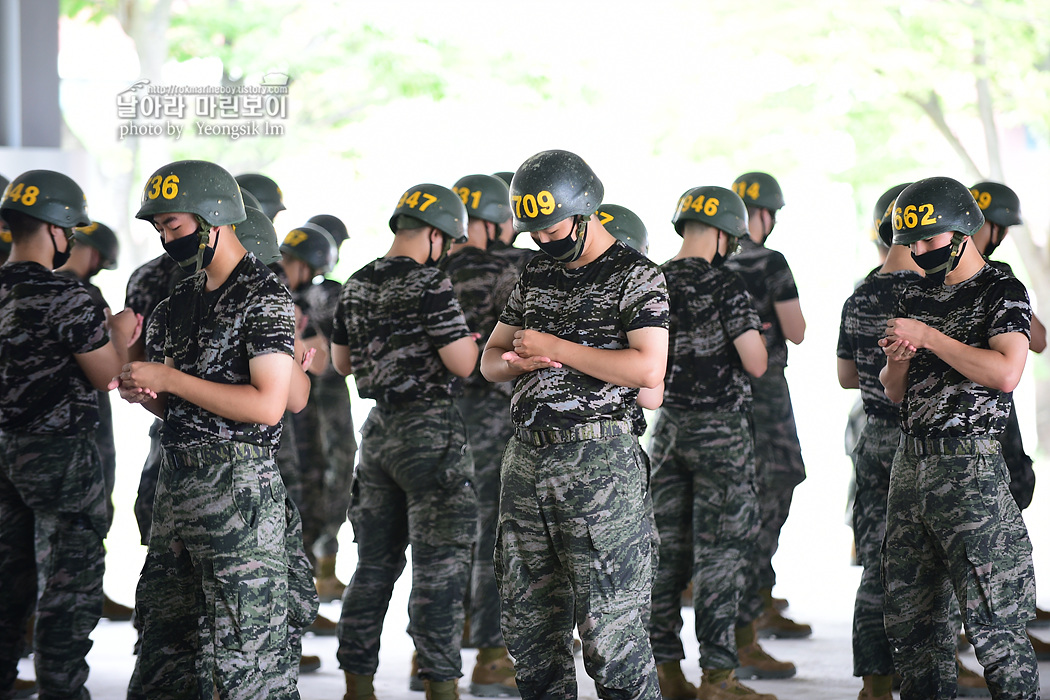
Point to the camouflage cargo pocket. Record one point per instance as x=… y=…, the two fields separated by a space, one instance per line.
x=621 y=566
x=251 y=612
x=453 y=511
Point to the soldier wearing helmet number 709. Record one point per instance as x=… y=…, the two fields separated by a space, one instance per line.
x=584 y=330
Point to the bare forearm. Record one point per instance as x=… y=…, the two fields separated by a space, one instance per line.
x=986 y=367
x=494 y=368
x=237 y=402
x=894 y=378
x=628 y=367
x=299 y=391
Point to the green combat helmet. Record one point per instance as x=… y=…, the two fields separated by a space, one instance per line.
x=258 y=236
x=311 y=244
x=485 y=197
x=334 y=226
x=504 y=175
x=882 y=216
x=998 y=203
x=196 y=187
x=550 y=187
x=714 y=206
x=101 y=238
x=435 y=206
x=625 y=226
x=933 y=206
x=265 y=190
x=48 y=196
x=760 y=190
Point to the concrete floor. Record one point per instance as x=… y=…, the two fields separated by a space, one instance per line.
x=824 y=661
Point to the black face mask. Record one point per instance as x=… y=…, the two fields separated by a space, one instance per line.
x=993 y=243
x=446 y=243
x=192 y=251
x=570 y=248
x=62 y=257
x=731 y=246
x=939 y=262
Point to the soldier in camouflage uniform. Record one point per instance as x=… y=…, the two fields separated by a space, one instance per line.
x=860 y=359
x=258 y=236
x=703 y=458
x=97 y=249
x=216 y=593
x=585 y=327
x=400 y=330
x=483 y=282
x=777 y=452
x=147 y=286
x=329 y=469
x=955 y=350
x=301 y=447
x=501 y=238
x=57 y=350
x=1002 y=209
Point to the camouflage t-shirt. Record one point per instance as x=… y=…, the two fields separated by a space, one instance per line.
x=213 y=335
x=594 y=305
x=710 y=308
x=46 y=319
x=154 y=333
x=941 y=402
x=863 y=323
x=394 y=315
x=150 y=283
x=483 y=283
x=768 y=278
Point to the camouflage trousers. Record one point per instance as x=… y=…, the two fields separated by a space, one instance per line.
x=489 y=428
x=574 y=547
x=148 y=482
x=413 y=485
x=52 y=521
x=779 y=468
x=213 y=598
x=327 y=446
x=873 y=456
x=707 y=516
x=951 y=524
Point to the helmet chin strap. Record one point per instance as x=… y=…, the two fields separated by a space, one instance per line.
x=203 y=234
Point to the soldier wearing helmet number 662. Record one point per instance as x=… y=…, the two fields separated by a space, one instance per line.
x=954 y=352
